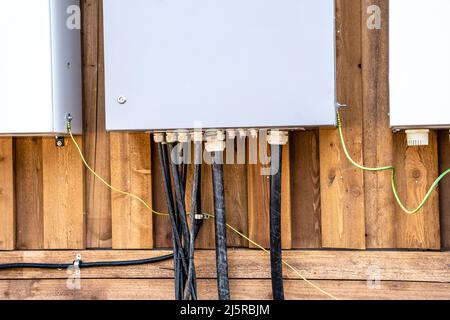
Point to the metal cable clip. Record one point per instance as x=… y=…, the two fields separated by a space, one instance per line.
x=77 y=262
x=203 y=216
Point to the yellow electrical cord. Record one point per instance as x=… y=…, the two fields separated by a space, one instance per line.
x=390 y=168
x=69 y=130
x=128 y=194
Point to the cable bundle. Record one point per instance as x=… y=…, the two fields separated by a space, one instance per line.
x=183 y=238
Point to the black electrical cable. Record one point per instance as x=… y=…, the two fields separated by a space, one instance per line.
x=180 y=200
x=188 y=284
x=178 y=264
x=221 y=228
x=276 y=257
x=195 y=209
x=181 y=263
x=82 y=264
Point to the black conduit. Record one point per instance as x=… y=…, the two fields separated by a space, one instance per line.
x=180 y=261
x=179 y=226
x=189 y=283
x=85 y=264
x=276 y=257
x=196 y=208
x=180 y=199
x=221 y=228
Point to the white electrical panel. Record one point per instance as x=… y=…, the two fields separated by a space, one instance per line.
x=419 y=63
x=219 y=64
x=40 y=66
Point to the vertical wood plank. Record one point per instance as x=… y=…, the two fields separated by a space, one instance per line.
x=162 y=230
x=417 y=168
x=7 y=223
x=306 y=210
x=236 y=202
x=29 y=193
x=258 y=204
x=206 y=237
x=378 y=136
x=132 y=226
x=444 y=164
x=342 y=186
x=64 y=220
x=286 y=199
x=96 y=139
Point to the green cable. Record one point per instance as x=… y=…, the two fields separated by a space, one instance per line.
x=390 y=168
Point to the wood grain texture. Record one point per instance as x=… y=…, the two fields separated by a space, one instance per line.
x=131 y=289
x=7 y=212
x=342 y=186
x=236 y=203
x=206 y=237
x=29 y=186
x=306 y=205
x=162 y=230
x=444 y=164
x=258 y=185
x=258 y=199
x=286 y=199
x=246 y=264
x=417 y=169
x=132 y=226
x=64 y=219
x=96 y=139
x=378 y=136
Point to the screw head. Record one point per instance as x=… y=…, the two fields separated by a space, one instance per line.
x=60 y=142
x=122 y=99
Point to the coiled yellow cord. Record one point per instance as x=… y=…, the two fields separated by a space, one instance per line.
x=145 y=204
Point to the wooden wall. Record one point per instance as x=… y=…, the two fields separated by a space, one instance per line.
x=49 y=201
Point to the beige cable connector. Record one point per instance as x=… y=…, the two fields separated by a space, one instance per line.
x=276 y=137
x=197 y=136
x=242 y=133
x=184 y=137
x=252 y=133
x=159 y=137
x=231 y=134
x=215 y=141
x=171 y=137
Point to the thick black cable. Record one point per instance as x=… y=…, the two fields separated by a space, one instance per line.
x=276 y=256
x=195 y=209
x=183 y=229
x=184 y=233
x=82 y=264
x=180 y=200
x=181 y=263
x=221 y=228
x=171 y=209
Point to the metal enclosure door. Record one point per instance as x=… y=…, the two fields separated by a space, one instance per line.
x=40 y=67
x=219 y=63
x=25 y=67
x=420 y=63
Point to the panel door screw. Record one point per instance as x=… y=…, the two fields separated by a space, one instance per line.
x=122 y=99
